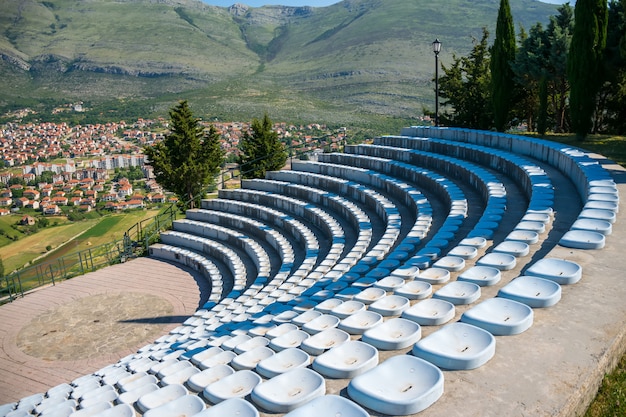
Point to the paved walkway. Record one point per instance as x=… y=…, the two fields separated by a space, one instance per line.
x=88 y=322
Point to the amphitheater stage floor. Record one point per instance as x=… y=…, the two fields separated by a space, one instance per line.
x=83 y=324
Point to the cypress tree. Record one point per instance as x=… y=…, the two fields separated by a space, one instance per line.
x=584 y=62
x=261 y=150
x=502 y=76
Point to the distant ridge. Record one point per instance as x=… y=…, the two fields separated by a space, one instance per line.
x=355 y=56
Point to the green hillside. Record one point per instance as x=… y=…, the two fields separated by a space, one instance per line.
x=355 y=60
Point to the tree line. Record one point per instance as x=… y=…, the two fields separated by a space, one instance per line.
x=569 y=76
x=190 y=157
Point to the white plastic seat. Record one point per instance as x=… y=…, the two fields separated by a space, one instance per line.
x=512 y=247
x=234 y=341
x=249 y=359
x=450 y=263
x=135 y=380
x=119 y=410
x=394 y=334
x=324 y=340
x=415 y=290
x=533 y=291
x=598 y=214
x=251 y=344
x=61 y=409
x=231 y=407
x=477 y=242
x=347 y=308
x=407 y=272
x=237 y=385
x=201 y=380
x=457 y=346
x=293 y=339
x=481 y=275
x=599 y=226
x=288 y=391
x=434 y=275
x=346 y=360
x=401 y=385
x=359 y=322
x=561 y=271
x=187 y=405
x=173 y=368
x=430 y=312
x=390 y=283
x=538 y=227
x=526 y=236
x=305 y=317
x=131 y=396
x=261 y=329
x=501 y=261
x=323 y=322
x=160 y=396
x=391 y=305
x=464 y=252
x=280 y=330
x=500 y=316
x=370 y=295
x=458 y=292
x=325 y=307
x=282 y=362
x=180 y=377
x=223 y=358
x=62 y=389
x=92 y=410
x=329 y=405
x=583 y=239
x=285 y=317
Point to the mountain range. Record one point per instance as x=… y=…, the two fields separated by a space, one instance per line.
x=353 y=60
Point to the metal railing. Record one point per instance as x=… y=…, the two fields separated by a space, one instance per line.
x=139 y=237
x=134 y=243
x=20 y=282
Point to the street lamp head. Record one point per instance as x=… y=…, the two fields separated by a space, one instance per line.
x=436 y=46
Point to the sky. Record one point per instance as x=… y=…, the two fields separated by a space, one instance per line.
x=313 y=3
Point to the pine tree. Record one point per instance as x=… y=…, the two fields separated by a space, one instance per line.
x=261 y=150
x=188 y=159
x=584 y=63
x=502 y=77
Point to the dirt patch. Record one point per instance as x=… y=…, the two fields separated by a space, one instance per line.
x=95 y=325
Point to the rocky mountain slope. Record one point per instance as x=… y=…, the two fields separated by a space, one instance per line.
x=370 y=56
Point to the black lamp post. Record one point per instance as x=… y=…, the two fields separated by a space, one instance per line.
x=436 y=50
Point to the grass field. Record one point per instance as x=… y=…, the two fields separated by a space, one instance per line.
x=613 y=147
x=93 y=232
x=17 y=254
x=8 y=233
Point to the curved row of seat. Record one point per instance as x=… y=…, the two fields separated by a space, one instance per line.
x=247 y=226
x=212 y=249
x=368 y=264
x=232 y=238
x=324 y=175
x=595 y=186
